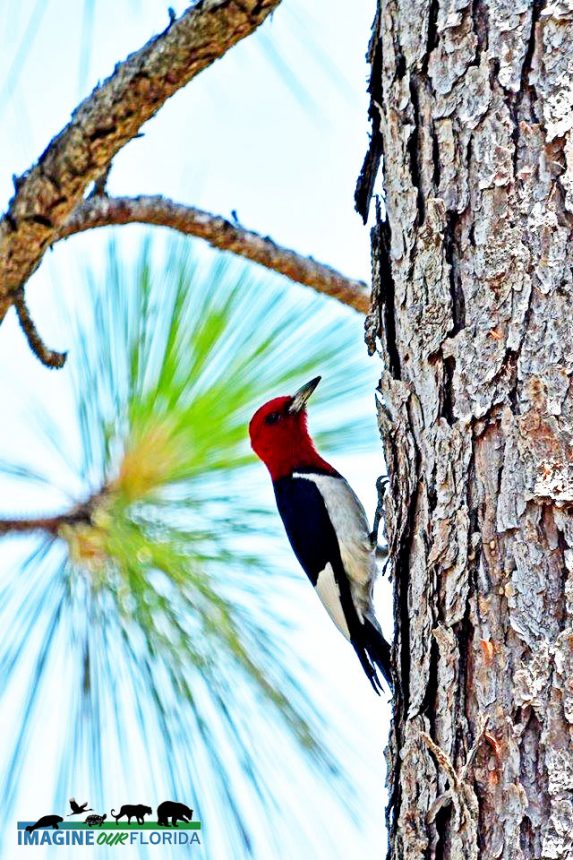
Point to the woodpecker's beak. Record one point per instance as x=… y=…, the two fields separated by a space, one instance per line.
x=302 y=395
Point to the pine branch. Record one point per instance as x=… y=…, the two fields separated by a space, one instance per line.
x=108 y=119
x=80 y=513
x=101 y=211
x=15 y=525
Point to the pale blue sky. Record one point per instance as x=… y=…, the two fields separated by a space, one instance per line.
x=277 y=131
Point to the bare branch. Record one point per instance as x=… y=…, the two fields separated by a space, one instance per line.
x=110 y=117
x=101 y=211
x=80 y=513
x=50 y=525
x=48 y=357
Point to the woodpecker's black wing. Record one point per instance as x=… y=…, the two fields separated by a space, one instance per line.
x=308 y=526
x=314 y=541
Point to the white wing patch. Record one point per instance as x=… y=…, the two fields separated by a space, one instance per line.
x=351 y=526
x=329 y=593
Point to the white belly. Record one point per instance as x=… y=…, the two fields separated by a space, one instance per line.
x=356 y=551
x=329 y=593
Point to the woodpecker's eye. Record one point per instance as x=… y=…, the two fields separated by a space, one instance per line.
x=273 y=418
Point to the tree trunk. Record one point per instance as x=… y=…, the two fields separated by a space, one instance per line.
x=472 y=111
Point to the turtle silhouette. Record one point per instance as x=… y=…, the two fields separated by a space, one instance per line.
x=95 y=820
x=77 y=808
x=45 y=821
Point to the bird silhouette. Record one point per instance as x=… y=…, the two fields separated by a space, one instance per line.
x=77 y=809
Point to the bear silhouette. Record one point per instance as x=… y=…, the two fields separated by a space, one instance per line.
x=45 y=821
x=170 y=809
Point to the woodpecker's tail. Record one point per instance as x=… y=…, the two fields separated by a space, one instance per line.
x=374 y=652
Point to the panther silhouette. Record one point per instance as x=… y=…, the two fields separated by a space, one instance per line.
x=136 y=811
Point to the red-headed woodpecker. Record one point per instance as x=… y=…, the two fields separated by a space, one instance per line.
x=325 y=524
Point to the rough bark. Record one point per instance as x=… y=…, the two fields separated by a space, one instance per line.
x=102 y=211
x=110 y=117
x=472 y=113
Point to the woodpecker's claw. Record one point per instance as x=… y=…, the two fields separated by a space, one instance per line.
x=381 y=485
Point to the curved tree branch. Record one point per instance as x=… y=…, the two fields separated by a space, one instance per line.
x=101 y=211
x=105 y=121
x=48 y=357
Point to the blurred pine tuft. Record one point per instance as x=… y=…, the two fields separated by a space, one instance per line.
x=161 y=599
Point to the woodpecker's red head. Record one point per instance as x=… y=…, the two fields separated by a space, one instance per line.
x=279 y=435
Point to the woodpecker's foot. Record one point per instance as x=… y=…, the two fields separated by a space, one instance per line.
x=381 y=485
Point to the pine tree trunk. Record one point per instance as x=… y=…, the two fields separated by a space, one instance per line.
x=472 y=113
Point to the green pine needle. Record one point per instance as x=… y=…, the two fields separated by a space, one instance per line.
x=163 y=596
